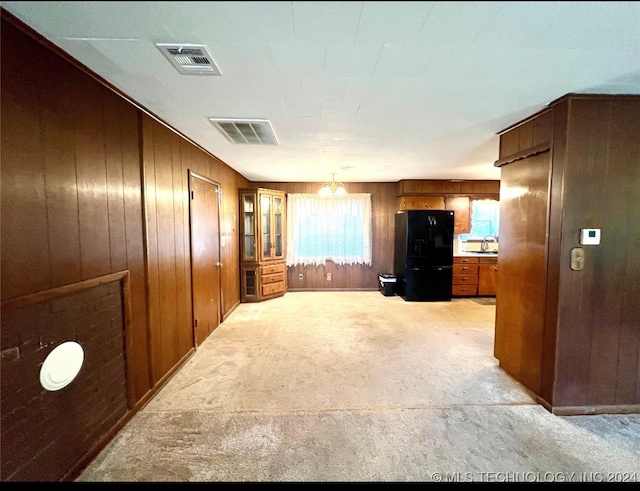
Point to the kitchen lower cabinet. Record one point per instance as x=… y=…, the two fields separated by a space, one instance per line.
x=474 y=276
x=487 y=276
x=465 y=277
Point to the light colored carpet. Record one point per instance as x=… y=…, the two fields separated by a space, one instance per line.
x=484 y=300
x=356 y=386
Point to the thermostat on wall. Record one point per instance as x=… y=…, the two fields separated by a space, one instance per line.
x=590 y=236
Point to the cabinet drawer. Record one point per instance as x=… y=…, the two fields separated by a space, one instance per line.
x=272 y=278
x=272 y=288
x=465 y=279
x=488 y=260
x=464 y=290
x=276 y=268
x=465 y=260
x=466 y=269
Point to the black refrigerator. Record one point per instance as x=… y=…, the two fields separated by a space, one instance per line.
x=423 y=255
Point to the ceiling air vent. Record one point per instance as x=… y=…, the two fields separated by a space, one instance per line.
x=191 y=59
x=247 y=131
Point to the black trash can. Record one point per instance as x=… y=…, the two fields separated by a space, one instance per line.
x=387 y=284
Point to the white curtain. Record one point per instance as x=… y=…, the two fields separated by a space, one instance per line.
x=332 y=227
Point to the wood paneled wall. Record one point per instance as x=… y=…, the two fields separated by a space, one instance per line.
x=587 y=353
x=71 y=199
x=598 y=344
x=92 y=185
x=167 y=159
x=354 y=277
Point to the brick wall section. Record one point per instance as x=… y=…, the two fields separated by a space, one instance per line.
x=46 y=433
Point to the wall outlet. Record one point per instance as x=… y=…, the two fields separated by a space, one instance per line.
x=301 y=277
x=328 y=276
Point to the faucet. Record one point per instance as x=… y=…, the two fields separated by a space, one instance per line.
x=485 y=245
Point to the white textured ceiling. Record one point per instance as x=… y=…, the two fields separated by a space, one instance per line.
x=371 y=91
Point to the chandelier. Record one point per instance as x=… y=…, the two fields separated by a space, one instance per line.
x=333 y=188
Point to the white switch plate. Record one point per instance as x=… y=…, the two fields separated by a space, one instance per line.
x=590 y=236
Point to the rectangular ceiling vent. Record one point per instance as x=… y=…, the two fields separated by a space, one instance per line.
x=247 y=131
x=191 y=59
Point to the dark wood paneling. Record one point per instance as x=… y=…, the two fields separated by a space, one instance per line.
x=60 y=170
x=25 y=248
x=230 y=181
x=165 y=327
x=151 y=253
x=598 y=319
x=72 y=204
x=522 y=264
x=91 y=177
x=183 y=339
x=590 y=341
x=558 y=118
x=115 y=185
x=71 y=193
x=168 y=158
x=166 y=220
x=86 y=219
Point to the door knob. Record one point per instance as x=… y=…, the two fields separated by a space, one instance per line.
x=219 y=264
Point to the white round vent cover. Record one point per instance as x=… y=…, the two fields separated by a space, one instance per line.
x=61 y=366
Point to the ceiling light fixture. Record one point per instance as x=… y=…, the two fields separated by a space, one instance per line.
x=333 y=188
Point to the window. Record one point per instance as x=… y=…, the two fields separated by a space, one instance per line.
x=333 y=227
x=485 y=219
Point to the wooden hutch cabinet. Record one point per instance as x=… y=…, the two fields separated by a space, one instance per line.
x=262 y=244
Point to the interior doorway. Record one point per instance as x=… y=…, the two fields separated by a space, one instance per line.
x=204 y=220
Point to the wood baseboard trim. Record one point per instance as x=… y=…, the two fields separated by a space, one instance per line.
x=593 y=410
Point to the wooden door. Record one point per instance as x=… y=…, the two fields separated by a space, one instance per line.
x=521 y=285
x=205 y=256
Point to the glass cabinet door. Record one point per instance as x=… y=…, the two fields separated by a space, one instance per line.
x=277 y=226
x=265 y=210
x=248 y=228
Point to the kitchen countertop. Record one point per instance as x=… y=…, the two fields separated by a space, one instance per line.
x=475 y=254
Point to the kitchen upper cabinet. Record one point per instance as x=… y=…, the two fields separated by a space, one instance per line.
x=262 y=244
x=421 y=202
x=455 y=195
x=460 y=205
